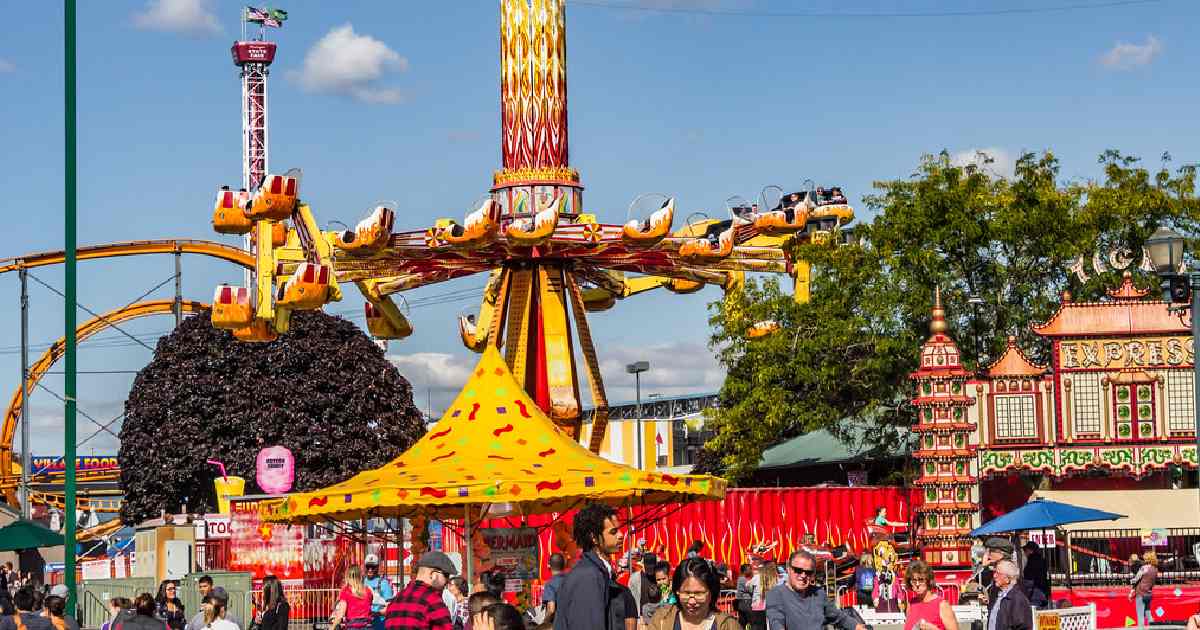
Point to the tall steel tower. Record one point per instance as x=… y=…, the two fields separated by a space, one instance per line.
x=253 y=56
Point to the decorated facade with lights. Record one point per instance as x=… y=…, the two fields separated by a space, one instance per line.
x=1113 y=409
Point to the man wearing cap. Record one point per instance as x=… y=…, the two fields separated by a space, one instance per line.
x=380 y=587
x=420 y=604
x=997 y=549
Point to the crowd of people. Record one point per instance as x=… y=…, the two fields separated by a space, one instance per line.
x=588 y=595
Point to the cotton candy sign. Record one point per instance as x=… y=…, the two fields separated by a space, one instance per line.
x=276 y=470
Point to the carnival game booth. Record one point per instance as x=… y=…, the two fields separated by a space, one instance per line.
x=494 y=453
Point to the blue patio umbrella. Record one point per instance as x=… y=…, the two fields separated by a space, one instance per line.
x=1043 y=514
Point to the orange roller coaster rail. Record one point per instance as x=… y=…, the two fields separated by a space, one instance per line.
x=52 y=354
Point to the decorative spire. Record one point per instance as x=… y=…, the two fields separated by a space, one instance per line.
x=938 y=325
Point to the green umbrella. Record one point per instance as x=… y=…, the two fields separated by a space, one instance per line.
x=27 y=535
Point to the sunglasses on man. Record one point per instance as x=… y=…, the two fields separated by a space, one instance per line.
x=802 y=571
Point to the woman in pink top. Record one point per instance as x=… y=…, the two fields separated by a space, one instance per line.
x=926 y=609
x=353 y=610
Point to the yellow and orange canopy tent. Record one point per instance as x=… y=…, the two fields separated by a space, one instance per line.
x=492 y=446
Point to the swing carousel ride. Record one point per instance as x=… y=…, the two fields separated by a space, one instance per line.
x=550 y=261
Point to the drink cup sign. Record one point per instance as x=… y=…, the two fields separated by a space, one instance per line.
x=276 y=470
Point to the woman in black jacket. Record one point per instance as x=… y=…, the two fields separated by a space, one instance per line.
x=275 y=608
x=168 y=606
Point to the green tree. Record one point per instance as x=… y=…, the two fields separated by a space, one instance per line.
x=1009 y=241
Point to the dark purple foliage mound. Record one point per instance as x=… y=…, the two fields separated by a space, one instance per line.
x=323 y=390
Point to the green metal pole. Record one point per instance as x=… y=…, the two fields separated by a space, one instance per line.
x=69 y=307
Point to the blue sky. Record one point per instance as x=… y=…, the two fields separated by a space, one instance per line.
x=400 y=103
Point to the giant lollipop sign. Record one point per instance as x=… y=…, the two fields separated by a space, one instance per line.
x=276 y=469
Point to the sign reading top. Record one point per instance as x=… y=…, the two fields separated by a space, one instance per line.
x=1127 y=353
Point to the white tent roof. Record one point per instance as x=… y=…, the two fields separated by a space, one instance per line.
x=1145 y=509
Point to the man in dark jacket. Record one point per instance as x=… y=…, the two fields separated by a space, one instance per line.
x=1008 y=607
x=584 y=599
x=1036 y=570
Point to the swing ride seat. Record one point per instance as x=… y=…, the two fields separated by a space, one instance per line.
x=702 y=248
x=478 y=228
x=762 y=329
x=275 y=200
x=259 y=330
x=307 y=288
x=531 y=232
x=370 y=234
x=385 y=325
x=228 y=215
x=278 y=234
x=231 y=307
x=776 y=222
x=653 y=229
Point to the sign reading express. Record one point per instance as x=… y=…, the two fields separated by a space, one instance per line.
x=1127 y=353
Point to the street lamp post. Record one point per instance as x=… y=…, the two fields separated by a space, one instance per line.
x=1166 y=252
x=975 y=301
x=636 y=370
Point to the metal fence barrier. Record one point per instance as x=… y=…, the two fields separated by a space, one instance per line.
x=1102 y=556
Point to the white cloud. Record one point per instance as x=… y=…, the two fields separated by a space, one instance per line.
x=7 y=66
x=1003 y=163
x=348 y=63
x=1125 y=56
x=676 y=368
x=436 y=370
x=178 y=16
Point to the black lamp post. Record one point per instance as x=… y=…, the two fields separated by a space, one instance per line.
x=1166 y=249
x=975 y=301
x=636 y=370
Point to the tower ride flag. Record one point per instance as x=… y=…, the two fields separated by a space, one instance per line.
x=266 y=17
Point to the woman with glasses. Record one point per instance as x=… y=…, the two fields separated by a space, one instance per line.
x=696 y=587
x=927 y=610
x=169 y=607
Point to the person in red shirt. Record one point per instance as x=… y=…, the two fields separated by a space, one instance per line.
x=420 y=604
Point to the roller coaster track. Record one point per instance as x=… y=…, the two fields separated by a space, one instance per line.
x=133 y=248
x=8 y=480
x=12 y=415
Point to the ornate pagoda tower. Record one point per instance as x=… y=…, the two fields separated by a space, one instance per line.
x=946 y=451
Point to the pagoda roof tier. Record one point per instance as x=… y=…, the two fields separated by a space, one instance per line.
x=1125 y=313
x=950 y=453
x=944 y=481
x=944 y=427
x=1014 y=363
x=944 y=401
x=954 y=533
x=957 y=506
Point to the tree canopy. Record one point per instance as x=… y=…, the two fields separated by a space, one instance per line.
x=323 y=390
x=1008 y=241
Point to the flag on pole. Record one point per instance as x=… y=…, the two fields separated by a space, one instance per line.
x=266 y=17
x=255 y=14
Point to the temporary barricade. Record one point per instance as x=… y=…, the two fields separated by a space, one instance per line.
x=1074 y=618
